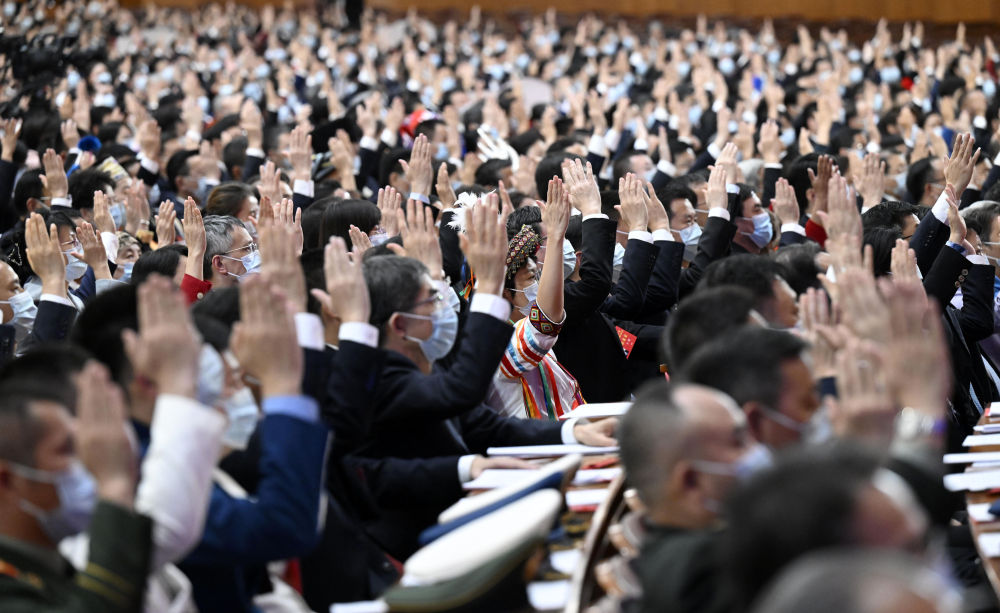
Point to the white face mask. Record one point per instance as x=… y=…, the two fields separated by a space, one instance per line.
x=530 y=294
x=24 y=314
x=211 y=374
x=75 y=268
x=241 y=408
x=617 y=262
x=569 y=259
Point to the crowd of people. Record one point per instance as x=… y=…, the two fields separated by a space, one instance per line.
x=273 y=281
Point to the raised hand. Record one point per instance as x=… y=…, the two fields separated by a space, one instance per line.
x=166 y=346
x=54 y=178
x=94 y=253
x=149 y=138
x=270 y=183
x=390 y=204
x=786 y=205
x=843 y=218
x=418 y=170
x=346 y=294
x=904 y=261
x=445 y=192
x=361 y=242
x=820 y=329
x=264 y=340
x=70 y=135
x=100 y=435
x=820 y=182
x=420 y=236
x=960 y=166
x=584 y=194
x=634 y=203
x=556 y=212
x=45 y=255
x=286 y=215
x=165 y=232
x=864 y=407
x=136 y=208
x=716 y=196
x=194 y=238
x=657 y=215
x=872 y=181
x=279 y=261
x=300 y=154
x=769 y=144
x=252 y=124
x=865 y=313
x=102 y=213
x=11 y=131
x=955 y=221
x=485 y=245
x=727 y=159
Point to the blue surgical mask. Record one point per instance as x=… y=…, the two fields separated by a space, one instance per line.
x=243 y=414
x=126 y=269
x=762 y=230
x=690 y=237
x=773 y=57
x=856 y=74
x=442 y=152
x=444 y=330
x=890 y=74
x=750 y=463
x=989 y=88
x=118 y=214
x=75 y=268
x=530 y=294
x=727 y=66
x=569 y=259
x=251 y=262
x=818 y=430
x=77 y=491
x=617 y=262
x=25 y=312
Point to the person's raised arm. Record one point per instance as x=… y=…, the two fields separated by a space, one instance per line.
x=555 y=217
x=45 y=256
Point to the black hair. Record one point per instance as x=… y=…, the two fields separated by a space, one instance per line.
x=888 y=214
x=228 y=199
x=675 y=191
x=524 y=216
x=99 y=326
x=489 y=173
x=83 y=184
x=50 y=368
x=882 y=240
x=312 y=221
x=751 y=272
x=177 y=166
x=28 y=186
x=389 y=164
x=393 y=286
x=551 y=166
x=702 y=317
x=746 y=364
x=918 y=176
x=340 y=216
x=221 y=304
x=163 y=261
x=798 y=265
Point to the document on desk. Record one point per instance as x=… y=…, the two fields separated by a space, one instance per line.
x=597 y=409
x=980 y=513
x=976 y=481
x=975 y=456
x=501 y=477
x=989 y=544
x=545 y=451
x=548 y=595
x=991 y=428
x=975 y=440
x=585 y=498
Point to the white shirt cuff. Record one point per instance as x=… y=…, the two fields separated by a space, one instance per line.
x=773 y=165
x=65 y=202
x=720 y=212
x=389 y=138
x=56 y=299
x=150 y=165
x=359 y=332
x=641 y=144
x=110 y=240
x=309 y=330
x=662 y=235
x=714 y=150
x=595 y=216
x=666 y=167
x=305 y=188
x=465 y=468
x=568 y=438
x=369 y=143
x=641 y=235
x=978 y=258
x=596 y=145
x=996 y=160
x=490 y=304
x=253 y=152
x=611 y=138
x=940 y=208
x=793 y=227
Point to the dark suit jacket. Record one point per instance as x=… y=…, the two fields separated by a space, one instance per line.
x=930 y=236
x=52 y=322
x=791 y=238
x=680 y=571
x=715 y=243
x=629 y=294
x=661 y=294
x=952 y=270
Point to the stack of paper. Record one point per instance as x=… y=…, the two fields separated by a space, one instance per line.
x=545 y=451
x=976 y=456
x=585 y=499
x=501 y=477
x=598 y=409
x=989 y=544
x=975 y=481
x=980 y=513
x=978 y=440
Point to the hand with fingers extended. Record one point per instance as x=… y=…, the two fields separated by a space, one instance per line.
x=418 y=170
x=93 y=252
x=100 y=435
x=390 y=202
x=165 y=232
x=962 y=163
x=445 y=192
x=584 y=194
x=864 y=311
x=826 y=338
x=634 y=199
x=360 y=241
x=420 y=236
x=264 y=340
x=279 y=260
x=842 y=218
x=903 y=262
x=785 y=204
x=165 y=348
x=656 y=213
x=300 y=154
x=54 y=179
x=346 y=294
x=136 y=208
x=820 y=183
x=716 y=196
x=485 y=245
x=556 y=211
x=864 y=407
x=45 y=255
x=872 y=181
x=194 y=238
x=11 y=131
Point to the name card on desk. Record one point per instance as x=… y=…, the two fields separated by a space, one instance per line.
x=597 y=410
x=976 y=481
x=546 y=451
x=977 y=440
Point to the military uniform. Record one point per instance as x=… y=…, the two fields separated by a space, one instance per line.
x=38 y=580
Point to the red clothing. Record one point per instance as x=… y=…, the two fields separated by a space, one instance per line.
x=816 y=232
x=194 y=289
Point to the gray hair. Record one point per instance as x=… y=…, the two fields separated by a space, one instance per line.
x=20 y=430
x=218 y=237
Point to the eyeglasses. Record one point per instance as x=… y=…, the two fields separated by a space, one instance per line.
x=74 y=244
x=251 y=246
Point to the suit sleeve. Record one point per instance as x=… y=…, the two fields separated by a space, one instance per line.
x=629 y=294
x=791 y=238
x=282 y=521
x=394 y=483
x=409 y=394
x=661 y=294
x=976 y=316
x=713 y=245
x=945 y=276
x=930 y=236
x=483 y=428
x=771 y=176
x=350 y=388
x=583 y=297
x=8 y=216
x=251 y=167
x=52 y=322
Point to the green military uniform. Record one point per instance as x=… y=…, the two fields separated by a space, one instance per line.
x=37 y=580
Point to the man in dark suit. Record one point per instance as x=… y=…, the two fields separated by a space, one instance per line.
x=423 y=411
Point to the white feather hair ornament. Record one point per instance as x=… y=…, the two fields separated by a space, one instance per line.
x=465 y=201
